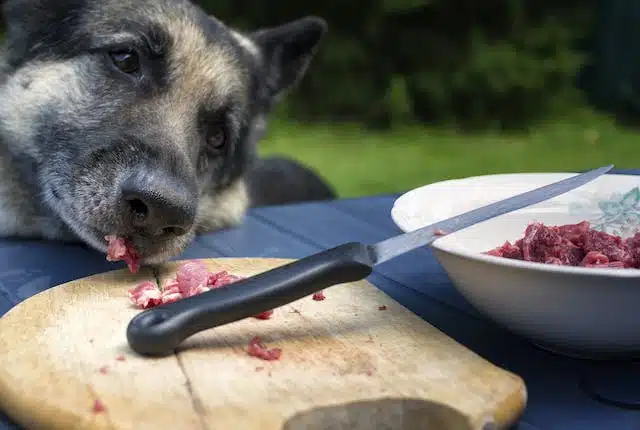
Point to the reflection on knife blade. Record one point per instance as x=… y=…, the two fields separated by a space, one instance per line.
x=159 y=331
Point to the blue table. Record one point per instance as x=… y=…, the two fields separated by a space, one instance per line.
x=560 y=397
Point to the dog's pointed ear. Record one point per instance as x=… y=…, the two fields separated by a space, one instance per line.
x=287 y=50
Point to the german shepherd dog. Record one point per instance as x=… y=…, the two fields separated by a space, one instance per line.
x=140 y=119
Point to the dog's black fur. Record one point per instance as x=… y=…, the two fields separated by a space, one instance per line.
x=296 y=183
x=140 y=119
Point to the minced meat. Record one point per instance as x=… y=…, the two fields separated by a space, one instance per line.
x=257 y=349
x=192 y=278
x=572 y=245
x=319 y=296
x=120 y=249
x=98 y=407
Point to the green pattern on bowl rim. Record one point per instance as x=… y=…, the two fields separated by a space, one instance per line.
x=619 y=214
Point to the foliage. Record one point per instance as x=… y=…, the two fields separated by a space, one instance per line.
x=499 y=63
x=472 y=64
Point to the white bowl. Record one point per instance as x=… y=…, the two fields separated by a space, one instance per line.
x=577 y=311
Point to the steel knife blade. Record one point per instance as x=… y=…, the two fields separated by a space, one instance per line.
x=160 y=330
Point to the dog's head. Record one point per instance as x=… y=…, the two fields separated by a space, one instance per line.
x=138 y=118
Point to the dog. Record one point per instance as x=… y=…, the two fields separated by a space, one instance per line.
x=141 y=119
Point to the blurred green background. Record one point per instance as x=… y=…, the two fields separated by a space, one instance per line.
x=407 y=92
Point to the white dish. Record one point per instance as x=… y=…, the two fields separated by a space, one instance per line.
x=587 y=312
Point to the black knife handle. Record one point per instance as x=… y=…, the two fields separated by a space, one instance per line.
x=160 y=330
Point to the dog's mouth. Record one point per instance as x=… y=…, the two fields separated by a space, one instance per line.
x=133 y=250
x=137 y=251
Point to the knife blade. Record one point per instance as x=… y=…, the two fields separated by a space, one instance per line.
x=158 y=331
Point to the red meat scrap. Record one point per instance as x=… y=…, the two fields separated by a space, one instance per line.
x=98 y=407
x=507 y=250
x=319 y=296
x=633 y=243
x=614 y=248
x=575 y=233
x=146 y=295
x=120 y=249
x=192 y=278
x=265 y=315
x=220 y=279
x=545 y=244
x=598 y=259
x=572 y=245
x=258 y=349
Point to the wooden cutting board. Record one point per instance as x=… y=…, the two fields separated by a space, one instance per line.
x=346 y=364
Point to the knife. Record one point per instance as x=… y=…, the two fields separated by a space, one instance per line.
x=158 y=331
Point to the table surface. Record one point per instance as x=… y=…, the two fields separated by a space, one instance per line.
x=558 y=387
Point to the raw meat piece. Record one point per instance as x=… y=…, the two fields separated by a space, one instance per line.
x=264 y=316
x=542 y=244
x=553 y=260
x=146 y=295
x=633 y=244
x=595 y=258
x=258 y=349
x=171 y=292
x=220 y=279
x=192 y=278
x=572 y=245
x=120 y=249
x=611 y=246
x=575 y=233
x=98 y=407
x=507 y=250
x=319 y=296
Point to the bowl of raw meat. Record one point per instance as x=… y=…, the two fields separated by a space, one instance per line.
x=564 y=273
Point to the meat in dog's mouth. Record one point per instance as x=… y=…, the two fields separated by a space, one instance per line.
x=121 y=249
x=124 y=249
x=118 y=245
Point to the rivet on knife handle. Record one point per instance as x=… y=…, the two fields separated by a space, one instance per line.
x=160 y=330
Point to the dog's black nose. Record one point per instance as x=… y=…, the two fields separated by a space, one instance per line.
x=157 y=206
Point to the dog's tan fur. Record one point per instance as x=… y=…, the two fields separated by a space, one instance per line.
x=72 y=128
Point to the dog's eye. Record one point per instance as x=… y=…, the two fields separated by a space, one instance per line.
x=127 y=61
x=218 y=138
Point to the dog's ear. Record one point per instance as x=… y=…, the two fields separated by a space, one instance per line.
x=287 y=50
x=33 y=25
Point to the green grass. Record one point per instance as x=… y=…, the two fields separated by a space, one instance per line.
x=358 y=162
